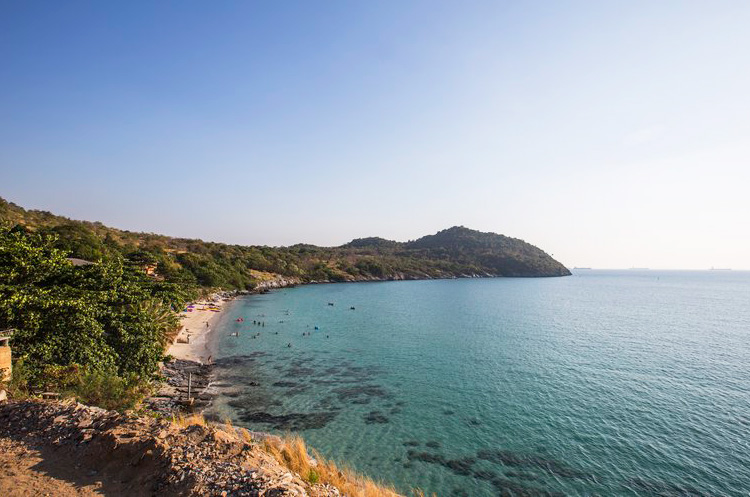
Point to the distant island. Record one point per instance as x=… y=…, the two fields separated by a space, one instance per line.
x=456 y=252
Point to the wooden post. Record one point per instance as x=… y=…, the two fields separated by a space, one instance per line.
x=190 y=384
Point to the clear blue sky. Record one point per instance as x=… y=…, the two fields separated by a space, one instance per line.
x=610 y=134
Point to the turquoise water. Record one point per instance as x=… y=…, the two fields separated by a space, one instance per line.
x=601 y=383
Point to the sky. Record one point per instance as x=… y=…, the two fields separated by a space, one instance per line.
x=609 y=134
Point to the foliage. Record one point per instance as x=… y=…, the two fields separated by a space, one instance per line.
x=18 y=386
x=76 y=238
x=191 y=264
x=104 y=325
x=109 y=391
x=104 y=389
x=313 y=476
x=108 y=318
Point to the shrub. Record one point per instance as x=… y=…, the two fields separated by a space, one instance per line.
x=109 y=391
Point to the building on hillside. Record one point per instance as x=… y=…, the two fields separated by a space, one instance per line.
x=149 y=269
x=6 y=366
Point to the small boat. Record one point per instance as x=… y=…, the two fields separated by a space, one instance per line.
x=330 y=303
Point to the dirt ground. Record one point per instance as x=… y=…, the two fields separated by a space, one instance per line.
x=25 y=472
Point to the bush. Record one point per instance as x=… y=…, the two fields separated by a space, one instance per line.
x=18 y=386
x=103 y=389
x=313 y=476
x=110 y=391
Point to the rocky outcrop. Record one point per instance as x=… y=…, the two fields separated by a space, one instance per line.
x=278 y=281
x=134 y=456
x=186 y=388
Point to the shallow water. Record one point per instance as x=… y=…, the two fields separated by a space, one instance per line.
x=605 y=382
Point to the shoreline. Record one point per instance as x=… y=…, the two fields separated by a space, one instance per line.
x=188 y=375
x=195 y=340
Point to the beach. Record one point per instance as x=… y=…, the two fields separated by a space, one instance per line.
x=197 y=324
x=188 y=373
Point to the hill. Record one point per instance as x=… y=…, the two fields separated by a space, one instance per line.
x=452 y=253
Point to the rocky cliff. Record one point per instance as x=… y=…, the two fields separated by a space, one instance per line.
x=82 y=450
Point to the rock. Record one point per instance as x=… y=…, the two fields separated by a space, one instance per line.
x=150 y=455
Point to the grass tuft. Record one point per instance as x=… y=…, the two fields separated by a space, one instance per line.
x=191 y=420
x=292 y=452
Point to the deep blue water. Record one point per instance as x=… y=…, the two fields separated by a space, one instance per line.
x=601 y=383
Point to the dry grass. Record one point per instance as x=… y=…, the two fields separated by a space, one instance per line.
x=292 y=452
x=185 y=421
x=246 y=436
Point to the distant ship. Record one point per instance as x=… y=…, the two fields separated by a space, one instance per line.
x=581 y=268
x=639 y=269
x=721 y=268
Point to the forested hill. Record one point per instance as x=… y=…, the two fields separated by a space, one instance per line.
x=455 y=252
x=470 y=253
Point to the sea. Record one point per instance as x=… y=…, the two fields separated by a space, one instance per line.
x=610 y=383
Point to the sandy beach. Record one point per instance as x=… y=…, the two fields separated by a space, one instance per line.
x=188 y=374
x=193 y=341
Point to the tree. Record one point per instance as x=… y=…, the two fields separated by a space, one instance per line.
x=105 y=317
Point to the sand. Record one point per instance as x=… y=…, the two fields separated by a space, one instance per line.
x=197 y=328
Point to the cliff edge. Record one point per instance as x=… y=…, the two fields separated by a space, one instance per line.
x=66 y=448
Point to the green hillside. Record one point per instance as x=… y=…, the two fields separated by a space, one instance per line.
x=455 y=252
